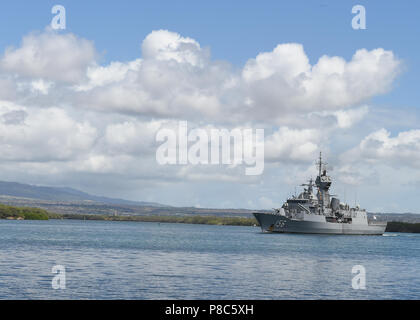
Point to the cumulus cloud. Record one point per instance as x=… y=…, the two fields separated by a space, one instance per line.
x=132 y=137
x=289 y=60
x=283 y=81
x=292 y=144
x=41 y=86
x=380 y=147
x=8 y=88
x=62 y=111
x=339 y=119
x=166 y=46
x=50 y=56
x=347 y=118
x=176 y=78
x=42 y=135
x=98 y=76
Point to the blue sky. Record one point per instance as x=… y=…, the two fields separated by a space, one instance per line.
x=237 y=32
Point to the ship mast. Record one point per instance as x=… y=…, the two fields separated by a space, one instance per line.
x=323 y=182
x=319 y=163
x=319 y=188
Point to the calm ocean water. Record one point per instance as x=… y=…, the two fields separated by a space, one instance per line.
x=133 y=260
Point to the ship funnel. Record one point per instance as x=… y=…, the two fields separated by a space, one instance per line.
x=335 y=204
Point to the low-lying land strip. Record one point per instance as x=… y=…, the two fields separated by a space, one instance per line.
x=28 y=213
x=22 y=213
x=213 y=220
x=395 y=226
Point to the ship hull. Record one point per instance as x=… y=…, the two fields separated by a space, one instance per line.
x=270 y=222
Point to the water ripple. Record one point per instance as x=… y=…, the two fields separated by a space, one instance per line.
x=130 y=260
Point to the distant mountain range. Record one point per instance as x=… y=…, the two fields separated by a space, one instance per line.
x=15 y=189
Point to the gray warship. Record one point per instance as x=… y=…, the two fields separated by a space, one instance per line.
x=319 y=213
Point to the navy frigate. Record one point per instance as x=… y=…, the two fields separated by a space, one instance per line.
x=319 y=212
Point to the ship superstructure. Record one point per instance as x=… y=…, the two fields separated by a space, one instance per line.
x=319 y=212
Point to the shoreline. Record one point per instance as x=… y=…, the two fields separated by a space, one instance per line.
x=208 y=220
x=29 y=213
x=393 y=226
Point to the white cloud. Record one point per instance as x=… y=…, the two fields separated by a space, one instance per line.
x=341 y=119
x=267 y=203
x=283 y=82
x=131 y=137
x=29 y=134
x=176 y=78
x=72 y=116
x=347 y=118
x=292 y=144
x=103 y=75
x=289 y=60
x=165 y=45
x=379 y=146
x=8 y=88
x=41 y=86
x=351 y=175
x=50 y=56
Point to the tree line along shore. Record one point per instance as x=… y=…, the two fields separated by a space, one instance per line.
x=23 y=213
x=28 y=213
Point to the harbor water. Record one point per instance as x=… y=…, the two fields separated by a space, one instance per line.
x=136 y=260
